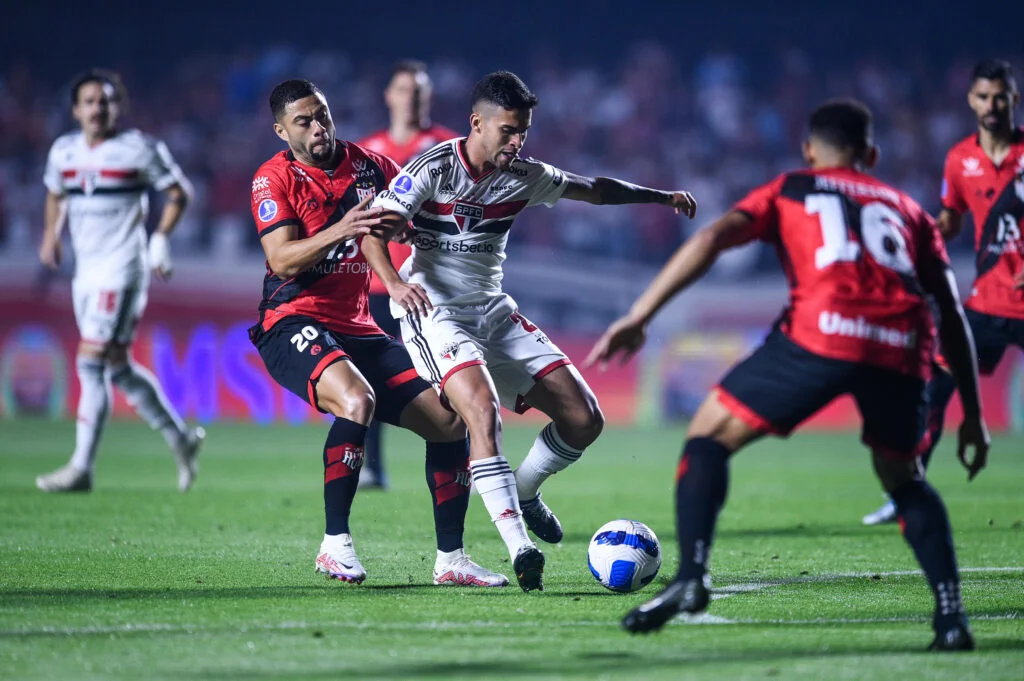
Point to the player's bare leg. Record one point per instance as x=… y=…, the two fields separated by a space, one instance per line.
x=342 y=392
x=925 y=525
x=94 y=404
x=144 y=393
x=448 y=478
x=471 y=393
x=576 y=421
x=701 y=483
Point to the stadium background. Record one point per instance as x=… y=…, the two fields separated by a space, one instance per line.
x=711 y=98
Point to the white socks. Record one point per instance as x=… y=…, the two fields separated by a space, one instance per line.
x=548 y=455
x=93 y=410
x=143 y=392
x=497 y=486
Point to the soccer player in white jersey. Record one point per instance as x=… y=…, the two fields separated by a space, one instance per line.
x=97 y=178
x=467 y=336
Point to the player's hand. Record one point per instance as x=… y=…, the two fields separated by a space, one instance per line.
x=411 y=297
x=359 y=221
x=160 y=256
x=626 y=335
x=1018 y=281
x=683 y=203
x=973 y=433
x=51 y=252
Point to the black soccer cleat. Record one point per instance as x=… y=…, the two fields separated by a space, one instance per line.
x=957 y=637
x=541 y=521
x=529 y=568
x=689 y=595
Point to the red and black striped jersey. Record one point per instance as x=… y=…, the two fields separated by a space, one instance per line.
x=994 y=195
x=286 y=192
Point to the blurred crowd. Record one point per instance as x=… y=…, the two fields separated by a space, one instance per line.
x=716 y=126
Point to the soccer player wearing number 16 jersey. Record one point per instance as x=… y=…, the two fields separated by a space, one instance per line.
x=860 y=258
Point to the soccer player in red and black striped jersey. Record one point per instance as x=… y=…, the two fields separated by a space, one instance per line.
x=984 y=175
x=409 y=134
x=860 y=257
x=317 y=338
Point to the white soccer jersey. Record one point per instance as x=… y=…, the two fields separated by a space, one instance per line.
x=461 y=222
x=105 y=187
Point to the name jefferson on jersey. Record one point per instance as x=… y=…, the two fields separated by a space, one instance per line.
x=105 y=187
x=461 y=222
x=859 y=257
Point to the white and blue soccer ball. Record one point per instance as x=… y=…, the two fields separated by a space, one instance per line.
x=624 y=555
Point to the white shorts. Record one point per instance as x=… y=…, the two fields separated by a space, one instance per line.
x=517 y=354
x=108 y=315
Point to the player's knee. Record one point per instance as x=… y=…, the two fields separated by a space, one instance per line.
x=483 y=416
x=354 y=405
x=581 y=427
x=894 y=473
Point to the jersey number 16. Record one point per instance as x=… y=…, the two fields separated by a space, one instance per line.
x=881 y=229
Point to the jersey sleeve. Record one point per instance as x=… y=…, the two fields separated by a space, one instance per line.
x=952 y=194
x=161 y=170
x=548 y=187
x=761 y=206
x=51 y=174
x=406 y=192
x=270 y=203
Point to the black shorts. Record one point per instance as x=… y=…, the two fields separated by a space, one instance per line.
x=992 y=335
x=298 y=349
x=380 y=308
x=781 y=384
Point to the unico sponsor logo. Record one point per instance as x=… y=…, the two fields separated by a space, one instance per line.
x=834 y=324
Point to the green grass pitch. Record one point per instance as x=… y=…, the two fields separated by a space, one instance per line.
x=137 y=581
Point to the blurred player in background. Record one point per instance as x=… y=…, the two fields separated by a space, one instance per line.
x=465 y=334
x=410 y=133
x=860 y=257
x=318 y=340
x=984 y=175
x=97 y=178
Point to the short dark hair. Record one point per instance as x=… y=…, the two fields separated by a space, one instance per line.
x=411 y=66
x=995 y=69
x=843 y=124
x=290 y=91
x=103 y=77
x=505 y=89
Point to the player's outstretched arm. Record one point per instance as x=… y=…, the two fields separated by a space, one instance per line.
x=288 y=255
x=176 y=199
x=50 y=251
x=609 y=191
x=411 y=297
x=958 y=348
x=690 y=262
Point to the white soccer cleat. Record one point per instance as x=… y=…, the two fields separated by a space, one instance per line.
x=65 y=479
x=337 y=559
x=459 y=570
x=187 y=457
x=886 y=514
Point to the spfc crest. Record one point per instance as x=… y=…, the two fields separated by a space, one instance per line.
x=467 y=216
x=88 y=178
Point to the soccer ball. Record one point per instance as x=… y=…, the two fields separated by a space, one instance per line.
x=624 y=555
